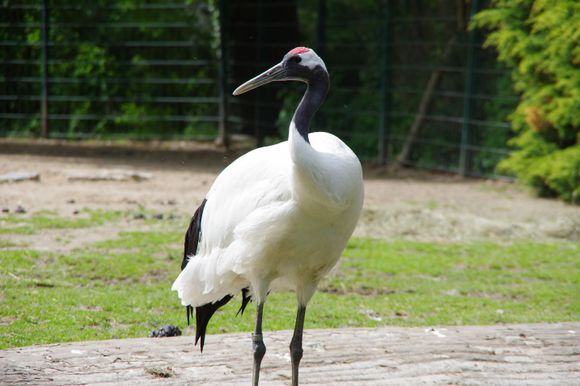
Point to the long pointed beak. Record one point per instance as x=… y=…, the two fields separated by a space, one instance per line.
x=273 y=74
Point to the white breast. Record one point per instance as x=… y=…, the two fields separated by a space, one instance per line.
x=271 y=219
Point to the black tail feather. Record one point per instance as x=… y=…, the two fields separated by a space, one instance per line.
x=202 y=313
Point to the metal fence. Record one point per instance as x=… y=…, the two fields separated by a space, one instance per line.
x=410 y=82
x=108 y=69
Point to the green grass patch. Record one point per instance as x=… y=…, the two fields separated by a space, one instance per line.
x=416 y=284
x=43 y=220
x=11 y=244
x=121 y=288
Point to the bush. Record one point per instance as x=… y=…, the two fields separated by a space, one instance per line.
x=546 y=168
x=538 y=40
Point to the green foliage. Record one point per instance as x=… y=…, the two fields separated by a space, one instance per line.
x=545 y=167
x=107 y=71
x=539 y=40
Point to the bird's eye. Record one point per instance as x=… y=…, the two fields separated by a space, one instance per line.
x=295 y=59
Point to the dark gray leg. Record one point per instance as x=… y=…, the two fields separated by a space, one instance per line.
x=258 y=345
x=296 y=343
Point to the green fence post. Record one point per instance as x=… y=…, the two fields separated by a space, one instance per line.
x=385 y=46
x=44 y=71
x=321 y=29
x=260 y=58
x=224 y=138
x=321 y=50
x=464 y=155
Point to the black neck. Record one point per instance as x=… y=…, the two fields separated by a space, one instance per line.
x=311 y=101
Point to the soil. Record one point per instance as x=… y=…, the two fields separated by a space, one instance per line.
x=408 y=204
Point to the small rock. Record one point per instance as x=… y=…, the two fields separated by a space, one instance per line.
x=70 y=201
x=437 y=333
x=372 y=315
x=158 y=216
x=5 y=210
x=139 y=216
x=20 y=209
x=452 y=292
x=171 y=202
x=161 y=372
x=76 y=212
x=165 y=331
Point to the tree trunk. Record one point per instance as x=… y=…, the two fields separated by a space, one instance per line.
x=403 y=157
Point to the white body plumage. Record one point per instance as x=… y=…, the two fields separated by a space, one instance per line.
x=278 y=217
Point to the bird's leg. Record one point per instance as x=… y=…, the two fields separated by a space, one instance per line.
x=296 y=343
x=258 y=345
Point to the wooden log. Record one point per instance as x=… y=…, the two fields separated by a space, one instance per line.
x=19 y=176
x=535 y=354
x=109 y=175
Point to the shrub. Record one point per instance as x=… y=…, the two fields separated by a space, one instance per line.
x=539 y=41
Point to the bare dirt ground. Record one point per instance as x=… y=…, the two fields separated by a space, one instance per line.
x=407 y=205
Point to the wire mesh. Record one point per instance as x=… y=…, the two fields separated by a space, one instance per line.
x=410 y=82
x=114 y=69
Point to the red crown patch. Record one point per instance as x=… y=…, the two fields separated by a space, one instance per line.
x=298 y=50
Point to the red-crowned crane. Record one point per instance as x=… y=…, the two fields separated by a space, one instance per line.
x=277 y=218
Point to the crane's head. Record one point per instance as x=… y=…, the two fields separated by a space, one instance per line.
x=299 y=64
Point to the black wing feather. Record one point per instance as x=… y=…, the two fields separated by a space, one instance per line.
x=202 y=313
x=202 y=316
x=246 y=297
x=192 y=235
